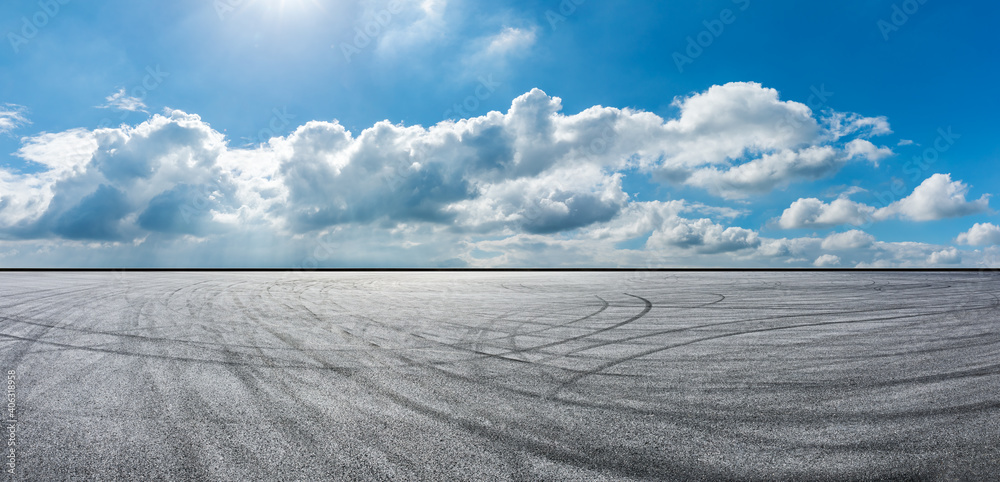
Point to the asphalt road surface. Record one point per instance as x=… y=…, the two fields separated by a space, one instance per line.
x=510 y=376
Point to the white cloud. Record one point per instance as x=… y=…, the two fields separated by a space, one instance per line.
x=555 y=201
x=740 y=139
x=840 y=124
x=938 y=197
x=980 y=234
x=858 y=249
x=702 y=236
x=767 y=173
x=814 y=213
x=117 y=184
x=850 y=240
x=509 y=41
x=492 y=53
x=531 y=186
x=639 y=219
x=865 y=149
x=852 y=190
x=418 y=23
x=11 y=117
x=945 y=256
x=122 y=101
x=826 y=261
x=730 y=121
x=60 y=151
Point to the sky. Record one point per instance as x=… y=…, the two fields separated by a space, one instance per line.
x=536 y=133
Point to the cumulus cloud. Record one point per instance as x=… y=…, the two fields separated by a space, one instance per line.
x=97 y=216
x=858 y=249
x=980 y=234
x=768 y=172
x=122 y=101
x=702 y=236
x=740 y=139
x=938 y=197
x=557 y=201
x=945 y=256
x=853 y=239
x=862 y=148
x=826 y=261
x=96 y=180
x=530 y=186
x=59 y=151
x=814 y=213
x=11 y=117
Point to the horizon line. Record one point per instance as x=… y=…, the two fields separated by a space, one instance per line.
x=522 y=269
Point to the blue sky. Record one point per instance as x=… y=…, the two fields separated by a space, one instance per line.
x=279 y=133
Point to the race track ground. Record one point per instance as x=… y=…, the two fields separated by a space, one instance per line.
x=503 y=375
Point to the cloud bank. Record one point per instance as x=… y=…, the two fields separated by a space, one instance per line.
x=937 y=197
x=532 y=186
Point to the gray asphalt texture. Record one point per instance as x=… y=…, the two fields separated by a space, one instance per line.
x=504 y=375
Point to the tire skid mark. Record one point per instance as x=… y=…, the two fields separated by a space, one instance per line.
x=208 y=361
x=604 y=306
x=648 y=306
x=430 y=365
x=289 y=341
x=613 y=363
x=154 y=339
x=621 y=462
x=511 y=337
x=143 y=372
x=623 y=340
x=775 y=318
x=483 y=354
x=629 y=461
x=249 y=375
x=45 y=297
x=476 y=428
x=14 y=357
